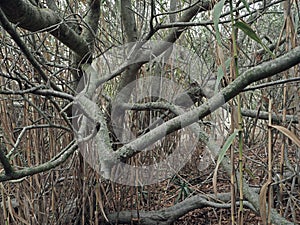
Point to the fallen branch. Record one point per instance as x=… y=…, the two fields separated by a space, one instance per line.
x=168 y=215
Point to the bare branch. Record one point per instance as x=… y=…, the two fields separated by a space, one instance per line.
x=32 y=18
x=57 y=160
x=272 y=83
x=168 y=215
x=254 y=74
x=7 y=26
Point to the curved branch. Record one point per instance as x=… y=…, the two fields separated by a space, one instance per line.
x=272 y=83
x=168 y=215
x=57 y=160
x=24 y=129
x=254 y=74
x=34 y=19
x=172 y=37
x=16 y=37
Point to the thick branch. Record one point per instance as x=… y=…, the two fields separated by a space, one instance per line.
x=27 y=16
x=57 y=160
x=254 y=74
x=172 y=37
x=12 y=32
x=257 y=73
x=168 y=215
x=130 y=29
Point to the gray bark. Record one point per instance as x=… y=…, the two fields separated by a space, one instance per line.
x=35 y=19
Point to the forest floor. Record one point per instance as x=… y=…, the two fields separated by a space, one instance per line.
x=213 y=216
x=191 y=181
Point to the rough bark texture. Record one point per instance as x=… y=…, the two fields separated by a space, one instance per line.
x=168 y=215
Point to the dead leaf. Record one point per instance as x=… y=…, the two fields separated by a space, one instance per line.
x=263 y=202
x=288 y=133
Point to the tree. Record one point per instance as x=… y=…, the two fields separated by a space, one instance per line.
x=66 y=66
